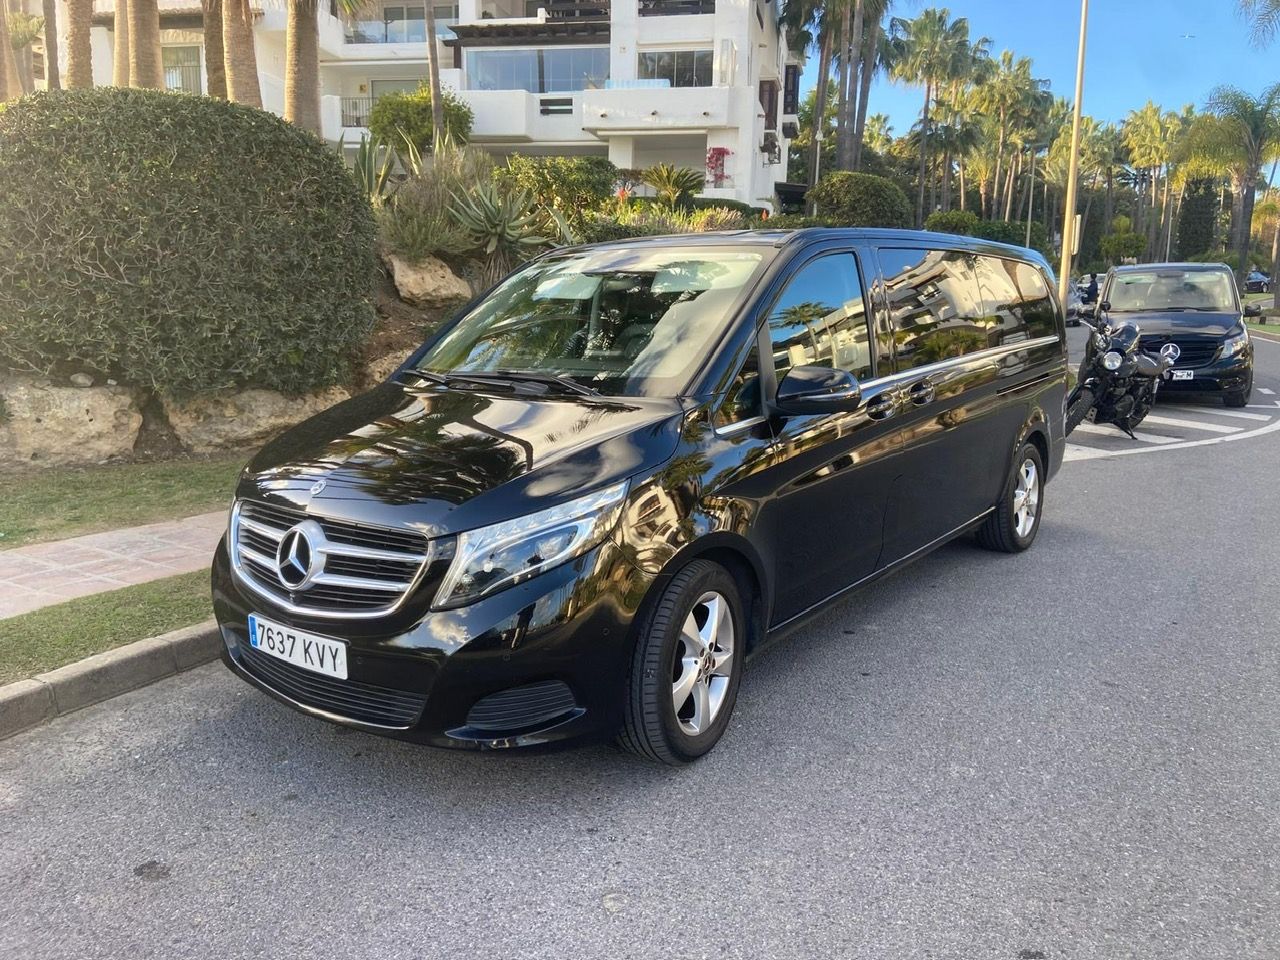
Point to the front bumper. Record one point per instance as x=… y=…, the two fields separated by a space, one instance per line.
x=539 y=663
x=1220 y=376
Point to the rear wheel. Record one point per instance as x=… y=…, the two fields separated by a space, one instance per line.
x=687 y=667
x=1012 y=527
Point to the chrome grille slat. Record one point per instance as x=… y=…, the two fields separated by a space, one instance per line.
x=367 y=571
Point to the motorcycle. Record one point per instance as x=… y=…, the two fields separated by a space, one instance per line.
x=1118 y=382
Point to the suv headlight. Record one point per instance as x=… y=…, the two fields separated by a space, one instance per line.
x=1235 y=344
x=504 y=554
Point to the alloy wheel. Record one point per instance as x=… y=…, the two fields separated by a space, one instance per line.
x=1026 y=498
x=703 y=664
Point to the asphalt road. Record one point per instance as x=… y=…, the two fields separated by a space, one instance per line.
x=1072 y=753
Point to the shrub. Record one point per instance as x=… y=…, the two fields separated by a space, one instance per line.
x=861 y=200
x=397 y=117
x=792 y=221
x=502 y=227
x=570 y=186
x=180 y=242
x=673 y=185
x=1120 y=246
x=417 y=222
x=962 y=222
x=723 y=203
x=624 y=221
x=967 y=224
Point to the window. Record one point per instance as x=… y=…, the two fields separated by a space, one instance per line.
x=553 y=70
x=680 y=68
x=821 y=319
x=1002 y=313
x=935 y=305
x=791 y=89
x=181 y=68
x=1038 y=311
x=742 y=402
x=405 y=24
x=769 y=103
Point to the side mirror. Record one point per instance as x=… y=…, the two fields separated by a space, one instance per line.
x=1252 y=310
x=1104 y=307
x=808 y=389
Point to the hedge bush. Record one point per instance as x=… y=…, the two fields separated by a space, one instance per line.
x=861 y=200
x=568 y=185
x=398 y=116
x=180 y=242
x=966 y=223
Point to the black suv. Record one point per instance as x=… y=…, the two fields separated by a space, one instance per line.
x=1195 y=307
x=581 y=506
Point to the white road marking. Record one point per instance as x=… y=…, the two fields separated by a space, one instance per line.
x=1155 y=437
x=1191 y=424
x=1264 y=390
x=1264 y=406
x=1115 y=433
x=1238 y=415
x=1076 y=452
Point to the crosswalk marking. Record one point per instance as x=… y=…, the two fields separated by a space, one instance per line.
x=1241 y=416
x=1154 y=437
x=1264 y=390
x=1191 y=424
x=1116 y=434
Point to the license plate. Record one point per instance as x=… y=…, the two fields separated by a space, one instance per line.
x=1182 y=375
x=306 y=650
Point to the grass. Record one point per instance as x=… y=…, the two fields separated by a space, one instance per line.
x=66 y=502
x=50 y=637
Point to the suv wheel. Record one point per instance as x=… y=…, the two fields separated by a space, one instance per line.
x=1239 y=398
x=1014 y=524
x=687 y=667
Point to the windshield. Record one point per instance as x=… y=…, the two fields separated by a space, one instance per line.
x=1204 y=290
x=625 y=322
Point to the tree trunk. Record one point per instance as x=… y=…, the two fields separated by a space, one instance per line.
x=302 y=66
x=842 y=88
x=1109 y=207
x=1246 y=220
x=433 y=77
x=79 y=50
x=855 y=66
x=924 y=152
x=1275 y=267
x=820 y=105
x=946 y=179
x=239 y=57
x=120 y=45
x=145 y=69
x=52 y=77
x=215 y=68
x=963 y=188
x=1008 y=191
x=995 y=182
x=10 y=85
x=868 y=60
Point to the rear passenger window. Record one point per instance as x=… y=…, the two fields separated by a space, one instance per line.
x=935 y=305
x=1003 y=303
x=1038 y=312
x=821 y=319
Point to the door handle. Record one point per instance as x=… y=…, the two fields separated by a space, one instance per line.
x=881 y=407
x=923 y=392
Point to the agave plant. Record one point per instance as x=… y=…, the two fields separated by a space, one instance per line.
x=374 y=162
x=671 y=183
x=502 y=226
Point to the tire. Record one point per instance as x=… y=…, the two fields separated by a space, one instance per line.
x=655 y=727
x=1239 y=398
x=1006 y=529
x=1080 y=405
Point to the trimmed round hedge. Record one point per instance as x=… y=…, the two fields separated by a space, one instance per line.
x=861 y=200
x=178 y=242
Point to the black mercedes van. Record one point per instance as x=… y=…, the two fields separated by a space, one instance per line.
x=579 y=507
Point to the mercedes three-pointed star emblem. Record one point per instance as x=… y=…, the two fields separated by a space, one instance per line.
x=300 y=555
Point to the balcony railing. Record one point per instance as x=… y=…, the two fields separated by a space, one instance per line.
x=355 y=111
x=575 y=9
x=676 y=8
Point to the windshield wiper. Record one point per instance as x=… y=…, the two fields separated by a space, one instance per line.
x=555 y=380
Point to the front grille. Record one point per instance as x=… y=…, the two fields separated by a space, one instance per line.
x=520 y=707
x=1197 y=351
x=364 y=571
x=346 y=698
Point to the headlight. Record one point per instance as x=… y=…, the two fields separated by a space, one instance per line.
x=1235 y=344
x=1111 y=360
x=511 y=552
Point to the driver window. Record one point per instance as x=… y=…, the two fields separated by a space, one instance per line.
x=821 y=319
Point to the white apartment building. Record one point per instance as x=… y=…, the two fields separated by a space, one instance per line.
x=705 y=84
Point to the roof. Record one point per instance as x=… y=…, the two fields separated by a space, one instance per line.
x=1185 y=267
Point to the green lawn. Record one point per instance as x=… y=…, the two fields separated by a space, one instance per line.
x=66 y=502
x=54 y=636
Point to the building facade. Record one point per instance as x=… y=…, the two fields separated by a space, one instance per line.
x=705 y=84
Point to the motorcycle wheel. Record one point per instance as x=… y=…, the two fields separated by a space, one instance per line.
x=1078 y=407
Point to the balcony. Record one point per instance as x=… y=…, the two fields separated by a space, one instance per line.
x=676 y=8
x=550 y=10
x=355 y=111
x=645 y=108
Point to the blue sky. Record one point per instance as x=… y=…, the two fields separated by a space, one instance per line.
x=1136 y=51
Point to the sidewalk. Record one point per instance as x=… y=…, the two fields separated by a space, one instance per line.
x=48 y=573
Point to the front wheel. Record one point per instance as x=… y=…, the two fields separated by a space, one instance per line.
x=686 y=667
x=1012 y=527
x=1239 y=398
x=1078 y=407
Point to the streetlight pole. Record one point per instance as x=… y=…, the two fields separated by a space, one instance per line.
x=1073 y=169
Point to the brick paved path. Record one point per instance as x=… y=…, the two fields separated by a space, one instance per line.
x=47 y=573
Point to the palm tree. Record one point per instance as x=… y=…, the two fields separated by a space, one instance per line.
x=120 y=45
x=877 y=55
x=79 y=50
x=10 y=85
x=1238 y=135
x=239 y=58
x=1013 y=97
x=302 y=66
x=433 y=76
x=878 y=132
x=145 y=67
x=803 y=21
x=215 y=68
x=1264 y=16
x=24 y=30
x=52 y=79
x=931 y=50
x=1266 y=219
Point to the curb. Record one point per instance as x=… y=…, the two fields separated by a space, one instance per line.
x=26 y=703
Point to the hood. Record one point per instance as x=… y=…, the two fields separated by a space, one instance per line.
x=441 y=461
x=1174 y=323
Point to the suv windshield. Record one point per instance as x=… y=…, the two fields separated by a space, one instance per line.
x=1207 y=290
x=626 y=322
